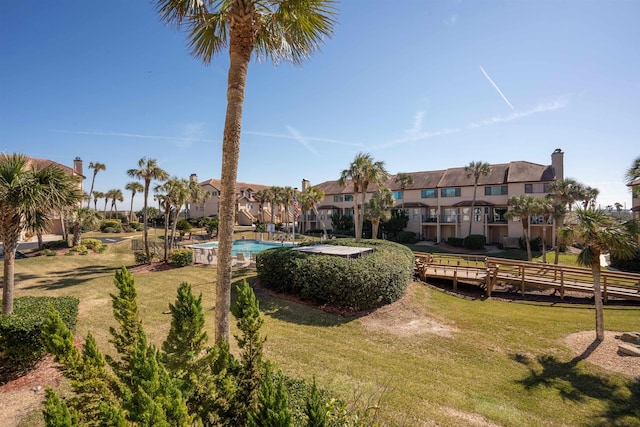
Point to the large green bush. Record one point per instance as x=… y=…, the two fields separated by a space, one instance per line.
x=373 y=280
x=21 y=343
x=181 y=257
x=111 y=226
x=475 y=241
x=631 y=265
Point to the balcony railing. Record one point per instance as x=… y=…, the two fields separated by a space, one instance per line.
x=429 y=218
x=450 y=219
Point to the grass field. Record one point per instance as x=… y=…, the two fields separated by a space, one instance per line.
x=430 y=359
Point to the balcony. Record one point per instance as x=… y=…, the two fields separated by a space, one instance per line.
x=429 y=218
x=450 y=219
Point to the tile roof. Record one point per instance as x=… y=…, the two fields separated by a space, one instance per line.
x=240 y=186
x=43 y=163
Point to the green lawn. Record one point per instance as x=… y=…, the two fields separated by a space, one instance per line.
x=501 y=363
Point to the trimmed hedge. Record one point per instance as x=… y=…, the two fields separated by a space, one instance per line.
x=455 y=241
x=20 y=341
x=475 y=241
x=371 y=281
x=181 y=257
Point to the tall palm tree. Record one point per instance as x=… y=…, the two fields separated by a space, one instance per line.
x=362 y=172
x=475 y=170
x=116 y=196
x=286 y=197
x=379 y=209
x=107 y=196
x=147 y=171
x=134 y=187
x=82 y=217
x=97 y=167
x=28 y=197
x=97 y=195
x=261 y=197
x=599 y=234
x=280 y=29
x=315 y=195
x=522 y=207
x=403 y=179
x=276 y=200
x=546 y=208
x=589 y=196
x=564 y=192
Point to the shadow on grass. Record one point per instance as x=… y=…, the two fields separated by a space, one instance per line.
x=289 y=310
x=64 y=279
x=620 y=397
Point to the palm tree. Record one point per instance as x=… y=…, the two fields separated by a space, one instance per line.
x=589 y=196
x=476 y=170
x=565 y=193
x=276 y=199
x=83 y=217
x=403 y=179
x=379 y=209
x=312 y=196
x=97 y=195
x=362 y=171
x=618 y=206
x=632 y=174
x=546 y=208
x=282 y=30
x=286 y=197
x=97 y=167
x=599 y=234
x=147 y=171
x=522 y=207
x=134 y=187
x=261 y=197
x=116 y=196
x=107 y=197
x=27 y=198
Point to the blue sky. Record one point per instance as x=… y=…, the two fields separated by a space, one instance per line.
x=421 y=85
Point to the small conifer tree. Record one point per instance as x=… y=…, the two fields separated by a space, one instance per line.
x=314 y=408
x=272 y=409
x=56 y=412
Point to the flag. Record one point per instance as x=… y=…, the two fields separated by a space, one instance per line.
x=296 y=209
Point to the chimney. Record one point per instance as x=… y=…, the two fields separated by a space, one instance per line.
x=557 y=161
x=305 y=184
x=193 y=178
x=77 y=166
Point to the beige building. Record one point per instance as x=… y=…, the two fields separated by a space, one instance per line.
x=248 y=209
x=56 y=224
x=635 y=197
x=439 y=202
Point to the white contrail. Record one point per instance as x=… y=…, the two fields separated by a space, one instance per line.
x=496 y=87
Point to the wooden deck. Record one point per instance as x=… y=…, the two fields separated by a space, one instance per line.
x=488 y=271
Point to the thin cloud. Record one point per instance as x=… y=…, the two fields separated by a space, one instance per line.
x=540 y=108
x=417 y=134
x=297 y=136
x=451 y=20
x=496 y=87
x=131 y=135
x=308 y=138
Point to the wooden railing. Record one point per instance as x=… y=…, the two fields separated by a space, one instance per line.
x=488 y=271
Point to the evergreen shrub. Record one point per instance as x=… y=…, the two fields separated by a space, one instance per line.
x=111 y=226
x=181 y=257
x=21 y=343
x=631 y=265
x=475 y=241
x=407 y=237
x=455 y=241
x=373 y=280
x=141 y=257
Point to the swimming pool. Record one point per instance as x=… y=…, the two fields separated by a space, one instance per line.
x=246 y=247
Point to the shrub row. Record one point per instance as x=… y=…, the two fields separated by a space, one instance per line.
x=357 y=284
x=111 y=226
x=21 y=343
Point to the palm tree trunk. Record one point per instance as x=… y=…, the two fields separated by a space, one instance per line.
x=525 y=230
x=40 y=240
x=473 y=205
x=167 y=214
x=131 y=209
x=557 y=247
x=544 y=239
x=356 y=222
x=145 y=228
x=10 y=235
x=597 y=297
x=95 y=172
x=240 y=49
x=375 y=223
x=77 y=234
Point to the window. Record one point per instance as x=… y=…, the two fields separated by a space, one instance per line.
x=397 y=195
x=429 y=194
x=477 y=214
x=450 y=215
x=450 y=192
x=538 y=187
x=337 y=198
x=497 y=190
x=465 y=214
x=348 y=197
x=214 y=193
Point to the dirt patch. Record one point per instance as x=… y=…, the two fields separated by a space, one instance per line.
x=151 y=268
x=24 y=394
x=402 y=319
x=605 y=354
x=468 y=418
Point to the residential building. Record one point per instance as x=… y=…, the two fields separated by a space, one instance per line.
x=56 y=224
x=439 y=202
x=248 y=209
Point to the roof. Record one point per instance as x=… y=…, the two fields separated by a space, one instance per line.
x=43 y=163
x=412 y=205
x=476 y=204
x=527 y=172
x=634 y=182
x=499 y=174
x=240 y=186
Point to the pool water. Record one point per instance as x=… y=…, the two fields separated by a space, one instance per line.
x=246 y=247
